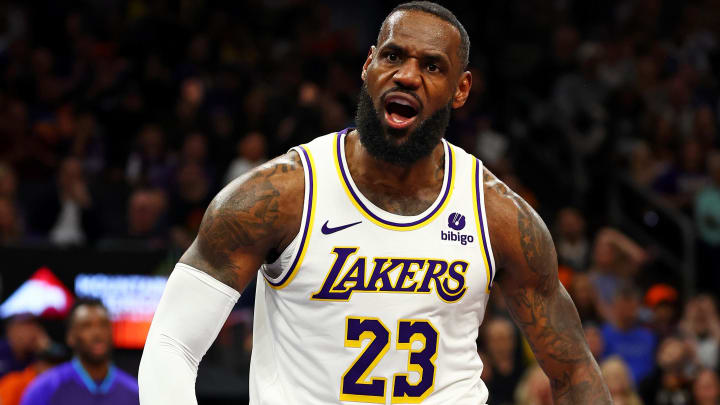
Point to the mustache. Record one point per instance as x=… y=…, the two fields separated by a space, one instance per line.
x=398 y=89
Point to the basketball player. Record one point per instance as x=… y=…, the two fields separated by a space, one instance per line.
x=378 y=247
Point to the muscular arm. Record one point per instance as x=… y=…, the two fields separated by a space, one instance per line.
x=254 y=215
x=538 y=303
x=248 y=219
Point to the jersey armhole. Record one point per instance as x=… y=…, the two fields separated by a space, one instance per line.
x=290 y=260
x=482 y=224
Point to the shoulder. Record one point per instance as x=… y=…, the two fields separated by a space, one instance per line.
x=516 y=230
x=126 y=381
x=270 y=195
x=253 y=215
x=42 y=388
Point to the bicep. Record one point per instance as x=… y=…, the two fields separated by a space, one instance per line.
x=246 y=220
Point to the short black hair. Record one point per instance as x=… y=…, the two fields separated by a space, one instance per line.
x=84 y=301
x=442 y=13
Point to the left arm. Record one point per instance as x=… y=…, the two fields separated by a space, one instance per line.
x=537 y=302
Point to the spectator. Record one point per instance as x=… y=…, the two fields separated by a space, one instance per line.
x=624 y=337
x=534 y=388
x=24 y=338
x=90 y=377
x=585 y=298
x=251 y=152
x=150 y=164
x=701 y=325
x=668 y=383
x=706 y=388
x=619 y=381
x=63 y=212
x=145 y=226
x=503 y=360
x=572 y=245
x=10 y=226
x=707 y=218
x=191 y=197
x=13 y=384
x=662 y=300
x=680 y=184
x=594 y=338
x=616 y=260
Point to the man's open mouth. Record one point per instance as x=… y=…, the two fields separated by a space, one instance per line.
x=400 y=110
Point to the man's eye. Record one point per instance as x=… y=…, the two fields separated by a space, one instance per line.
x=433 y=67
x=392 y=57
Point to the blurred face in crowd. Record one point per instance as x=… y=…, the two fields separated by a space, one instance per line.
x=582 y=292
x=671 y=355
x=8 y=182
x=8 y=222
x=625 y=308
x=604 y=253
x=706 y=388
x=145 y=209
x=617 y=377
x=252 y=147
x=71 y=172
x=26 y=337
x=500 y=339
x=90 y=334
x=571 y=224
x=595 y=341
x=412 y=80
x=701 y=313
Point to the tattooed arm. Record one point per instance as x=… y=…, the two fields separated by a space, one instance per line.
x=254 y=215
x=538 y=303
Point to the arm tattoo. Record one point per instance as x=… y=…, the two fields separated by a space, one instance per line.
x=245 y=216
x=547 y=317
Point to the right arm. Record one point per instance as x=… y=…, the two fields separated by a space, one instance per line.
x=254 y=215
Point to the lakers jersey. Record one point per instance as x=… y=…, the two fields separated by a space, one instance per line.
x=366 y=306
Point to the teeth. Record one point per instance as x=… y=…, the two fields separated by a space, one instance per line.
x=401 y=101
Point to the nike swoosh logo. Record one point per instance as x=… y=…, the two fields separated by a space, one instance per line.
x=328 y=230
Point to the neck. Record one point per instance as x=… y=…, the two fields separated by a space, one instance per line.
x=97 y=371
x=421 y=180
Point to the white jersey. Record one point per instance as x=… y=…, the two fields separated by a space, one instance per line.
x=366 y=306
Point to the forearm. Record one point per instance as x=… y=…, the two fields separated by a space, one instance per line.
x=191 y=313
x=584 y=385
x=550 y=322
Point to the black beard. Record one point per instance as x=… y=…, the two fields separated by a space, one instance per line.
x=377 y=138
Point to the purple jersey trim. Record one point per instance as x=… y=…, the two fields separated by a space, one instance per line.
x=307 y=163
x=480 y=198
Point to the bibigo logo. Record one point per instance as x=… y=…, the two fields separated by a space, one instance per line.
x=456 y=221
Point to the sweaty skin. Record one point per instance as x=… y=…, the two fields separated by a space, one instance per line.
x=260 y=213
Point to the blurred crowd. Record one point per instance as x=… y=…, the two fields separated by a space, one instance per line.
x=119 y=120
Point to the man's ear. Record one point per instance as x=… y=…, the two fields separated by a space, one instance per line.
x=463 y=90
x=368 y=60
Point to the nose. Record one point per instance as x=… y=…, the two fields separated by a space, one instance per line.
x=408 y=74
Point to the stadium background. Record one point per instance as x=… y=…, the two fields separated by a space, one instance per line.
x=120 y=120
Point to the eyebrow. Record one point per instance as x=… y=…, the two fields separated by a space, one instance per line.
x=432 y=56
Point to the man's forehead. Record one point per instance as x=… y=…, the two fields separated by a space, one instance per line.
x=425 y=29
x=86 y=311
